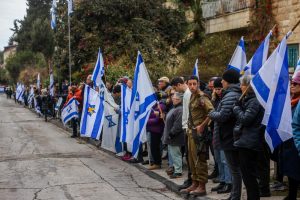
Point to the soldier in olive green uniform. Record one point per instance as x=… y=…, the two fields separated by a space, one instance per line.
x=199 y=108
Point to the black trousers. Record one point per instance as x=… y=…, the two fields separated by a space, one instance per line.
x=74 y=126
x=263 y=170
x=156 y=147
x=248 y=163
x=293 y=187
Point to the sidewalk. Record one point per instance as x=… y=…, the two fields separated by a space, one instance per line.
x=173 y=184
x=161 y=175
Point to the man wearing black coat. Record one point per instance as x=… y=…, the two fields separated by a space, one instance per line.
x=225 y=122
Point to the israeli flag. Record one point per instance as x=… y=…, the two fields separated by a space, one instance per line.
x=37 y=108
x=70 y=111
x=142 y=100
x=125 y=110
x=20 y=92
x=259 y=57
x=110 y=138
x=238 y=60
x=31 y=96
x=195 y=70
x=51 y=87
x=278 y=116
x=53 y=15
x=98 y=70
x=38 y=82
x=92 y=113
x=297 y=68
x=70 y=7
x=58 y=104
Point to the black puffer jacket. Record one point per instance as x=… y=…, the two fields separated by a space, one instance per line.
x=249 y=116
x=224 y=118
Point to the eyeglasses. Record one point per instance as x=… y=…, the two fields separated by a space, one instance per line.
x=294 y=83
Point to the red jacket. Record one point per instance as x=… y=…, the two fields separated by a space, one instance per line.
x=77 y=95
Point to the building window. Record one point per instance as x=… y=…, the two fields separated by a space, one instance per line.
x=293 y=54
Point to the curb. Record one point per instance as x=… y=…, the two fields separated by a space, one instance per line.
x=173 y=187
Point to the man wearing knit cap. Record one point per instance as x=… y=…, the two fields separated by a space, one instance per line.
x=224 y=122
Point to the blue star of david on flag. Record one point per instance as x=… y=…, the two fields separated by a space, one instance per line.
x=110 y=121
x=69 y=109
x=126 y=116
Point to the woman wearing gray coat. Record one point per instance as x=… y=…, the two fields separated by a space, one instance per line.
x=173 y=134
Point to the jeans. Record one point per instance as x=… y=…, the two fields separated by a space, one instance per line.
x=175 y=154
x=232 y=158
x=149 y=147
x=248 y=163
x=224 y=173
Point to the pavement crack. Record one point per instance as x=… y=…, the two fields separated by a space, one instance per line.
x=47 y=155
x=35 y=197
x=107 y=182
x=66 y=192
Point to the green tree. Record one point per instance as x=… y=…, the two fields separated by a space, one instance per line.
x=4 y=76
x=18 y=62
x=121 y=28
x=34 y=32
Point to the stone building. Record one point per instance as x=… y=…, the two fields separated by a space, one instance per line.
x=8 y=51
x=234 y=15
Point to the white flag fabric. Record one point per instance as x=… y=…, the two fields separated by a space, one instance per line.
x=273 y=90
x=20 y=92
x=92 y=113
x=259 y=57
x=38 y=82
x=53 y=14
x=70 y=7
x=98 y=70
x=110 y=124
x=297 y=68
x=142 y=100
x=58 y=103
x=31 y=96
x=70 y=111
x=195 y=71
x=51 y=87
x=37 y=107
x=238 y=60
x=125 y=109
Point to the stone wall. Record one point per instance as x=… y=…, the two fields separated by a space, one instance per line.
x=287 y=14
x=230 y=21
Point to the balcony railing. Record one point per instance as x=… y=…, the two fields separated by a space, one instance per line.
x=221 y=7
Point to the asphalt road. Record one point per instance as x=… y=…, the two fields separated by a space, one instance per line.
x=39 y=160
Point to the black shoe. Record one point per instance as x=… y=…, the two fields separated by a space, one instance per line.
x=218 y=187
x=214 y=174
x=187 y=183
x=265 y=194
x=145 y=153
x=134 y=160
x=146 y=162
x=225 y=189
x=73 y=136
x=176 y=175
x=216 y=180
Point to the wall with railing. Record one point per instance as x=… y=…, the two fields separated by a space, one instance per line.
x=220 y=7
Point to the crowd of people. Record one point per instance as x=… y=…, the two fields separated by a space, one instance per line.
x=193 y=121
